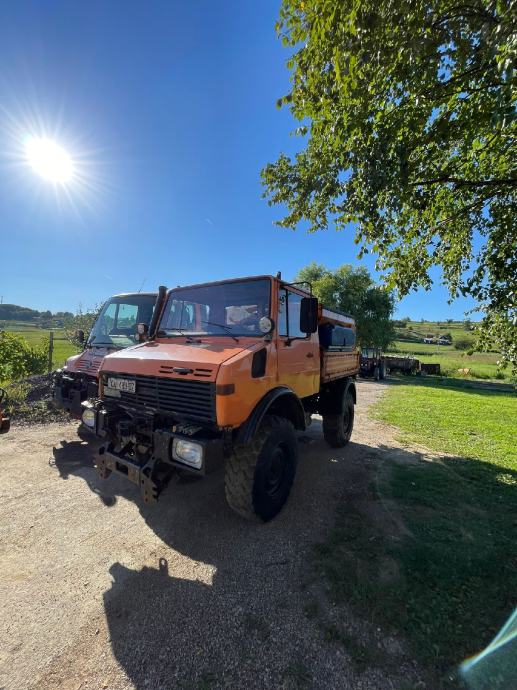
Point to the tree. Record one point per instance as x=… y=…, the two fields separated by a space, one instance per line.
x=408 y=121
x=353 y=291
x=82 y=321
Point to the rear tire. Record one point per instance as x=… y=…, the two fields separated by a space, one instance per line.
x=337 y=428
x=259 y=476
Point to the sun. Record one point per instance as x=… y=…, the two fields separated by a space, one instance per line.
x=49 y=160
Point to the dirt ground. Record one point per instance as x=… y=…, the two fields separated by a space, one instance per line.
x=100 y=591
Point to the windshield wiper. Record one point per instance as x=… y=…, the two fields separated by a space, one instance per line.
x=225 y=327
x=168 y=334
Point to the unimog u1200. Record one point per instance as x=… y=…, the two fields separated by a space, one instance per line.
x=114 y=329
x=235 y=368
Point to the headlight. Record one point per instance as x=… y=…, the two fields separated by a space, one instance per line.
x=188 y=452
x=89 y=418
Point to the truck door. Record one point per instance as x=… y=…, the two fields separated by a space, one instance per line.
x=298 y=353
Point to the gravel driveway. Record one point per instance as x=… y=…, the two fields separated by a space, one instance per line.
x=100 y=591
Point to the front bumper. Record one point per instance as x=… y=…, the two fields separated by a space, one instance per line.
x=152 y=473
x=71 y=390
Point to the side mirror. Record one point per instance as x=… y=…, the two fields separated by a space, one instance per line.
x=309 y=315
x=79 y=336
x=142 y=330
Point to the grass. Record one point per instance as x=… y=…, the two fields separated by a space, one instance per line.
x=445 y=578
x=448 y=417
x=62 y=348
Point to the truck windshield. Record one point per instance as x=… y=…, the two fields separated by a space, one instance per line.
x=116 y=324
x=233 y=308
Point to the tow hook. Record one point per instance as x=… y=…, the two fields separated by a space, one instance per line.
x=151 y=478
x=150 y=488
x=102 y=466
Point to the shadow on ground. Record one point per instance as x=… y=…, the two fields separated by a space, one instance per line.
x=244 y=620
x=485 y=388
x=431 y=552
x=426 y=549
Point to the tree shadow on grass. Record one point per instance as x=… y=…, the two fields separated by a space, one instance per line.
x=440 y=565
x=484 y=388
x=427 y=550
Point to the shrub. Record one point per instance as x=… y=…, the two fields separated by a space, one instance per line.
x=81 y=321
x=19 y=359
x=462 y=343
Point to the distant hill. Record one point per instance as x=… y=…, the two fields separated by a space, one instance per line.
x=14 y=312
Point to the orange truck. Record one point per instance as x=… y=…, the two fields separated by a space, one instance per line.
x=113 y=330
x=235 y=369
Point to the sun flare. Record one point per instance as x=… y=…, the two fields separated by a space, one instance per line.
x=49 y=160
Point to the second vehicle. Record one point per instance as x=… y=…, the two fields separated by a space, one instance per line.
x=113 y=330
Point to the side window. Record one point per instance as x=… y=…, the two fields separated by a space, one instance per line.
x=289 y=305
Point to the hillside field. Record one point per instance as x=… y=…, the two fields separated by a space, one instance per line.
x=482 y=365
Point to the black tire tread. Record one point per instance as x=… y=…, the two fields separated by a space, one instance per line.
x=240 y=469
x=333 y=429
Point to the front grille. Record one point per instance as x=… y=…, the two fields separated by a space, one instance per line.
x=193 y=400
x=90 y=366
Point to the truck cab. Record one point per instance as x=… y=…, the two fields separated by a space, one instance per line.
x=234 y=368
x=113 y=330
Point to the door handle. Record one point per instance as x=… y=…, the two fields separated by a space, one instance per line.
x=310 y=355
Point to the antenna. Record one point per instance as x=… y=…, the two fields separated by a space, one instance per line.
x=141 y=286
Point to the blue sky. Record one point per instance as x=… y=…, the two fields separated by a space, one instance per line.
x=169 y=111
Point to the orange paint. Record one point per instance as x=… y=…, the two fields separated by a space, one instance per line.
x=292 y=362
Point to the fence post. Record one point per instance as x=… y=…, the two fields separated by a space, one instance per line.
x=50 y=350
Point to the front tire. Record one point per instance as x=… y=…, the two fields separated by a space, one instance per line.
x=337 y=428
x=259 y=476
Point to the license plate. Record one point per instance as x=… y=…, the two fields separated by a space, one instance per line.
x=122 y=385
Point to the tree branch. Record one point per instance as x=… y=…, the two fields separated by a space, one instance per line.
x=511 y=181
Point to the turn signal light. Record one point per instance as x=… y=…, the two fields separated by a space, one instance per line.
x=225 y=388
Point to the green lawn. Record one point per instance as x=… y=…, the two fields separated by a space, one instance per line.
x=447 y=580
x=453 y=418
